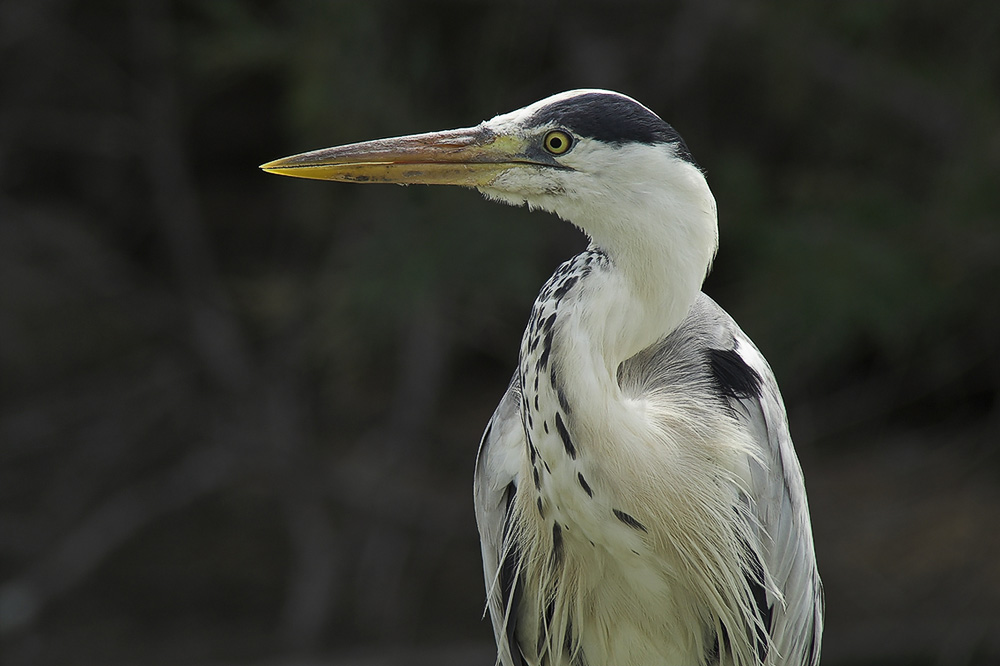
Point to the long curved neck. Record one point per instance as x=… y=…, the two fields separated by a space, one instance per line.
x=660 y=249
x=600 y=308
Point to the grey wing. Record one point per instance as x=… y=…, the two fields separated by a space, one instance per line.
x=497 y=471
x=779 y=501
x=777 y=490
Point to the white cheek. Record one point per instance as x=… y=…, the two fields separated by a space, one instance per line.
x=524 y=181
x=504 y=197
x=537 y=188
x=506 y=187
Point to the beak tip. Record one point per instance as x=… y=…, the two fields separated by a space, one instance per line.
x=281 y=167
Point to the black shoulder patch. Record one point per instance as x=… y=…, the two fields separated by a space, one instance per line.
x=733 y=377
x=612 y=119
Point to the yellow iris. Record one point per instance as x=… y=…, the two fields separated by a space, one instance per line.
x=557 y=142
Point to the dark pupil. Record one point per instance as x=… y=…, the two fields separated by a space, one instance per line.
x=555 y=143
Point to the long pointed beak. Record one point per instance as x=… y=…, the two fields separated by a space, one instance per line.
x=470 y=157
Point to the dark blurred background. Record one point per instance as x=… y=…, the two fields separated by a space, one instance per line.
x=239 y=413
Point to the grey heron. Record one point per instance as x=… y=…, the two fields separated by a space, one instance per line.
x=638 y=497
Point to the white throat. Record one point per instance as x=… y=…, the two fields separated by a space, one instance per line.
x=652 y=213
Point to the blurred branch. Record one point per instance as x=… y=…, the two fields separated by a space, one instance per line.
x=214 y=332
x=107 y=527
x=401 y=495
x=424 y=352
x=316 y=574
x=401 y=499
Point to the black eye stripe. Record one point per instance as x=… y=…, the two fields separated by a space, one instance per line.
x=612 y=119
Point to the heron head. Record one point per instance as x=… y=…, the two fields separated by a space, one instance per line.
x=590 y=156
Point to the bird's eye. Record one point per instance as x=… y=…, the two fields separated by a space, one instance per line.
x=557 y=142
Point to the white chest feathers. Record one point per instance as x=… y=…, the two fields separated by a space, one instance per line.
x=626 y=541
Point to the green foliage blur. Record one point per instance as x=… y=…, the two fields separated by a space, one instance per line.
x=239 y=413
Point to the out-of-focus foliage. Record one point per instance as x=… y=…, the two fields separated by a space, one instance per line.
x=239 y=413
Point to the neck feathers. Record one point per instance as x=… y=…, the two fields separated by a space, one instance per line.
x=660 y=234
